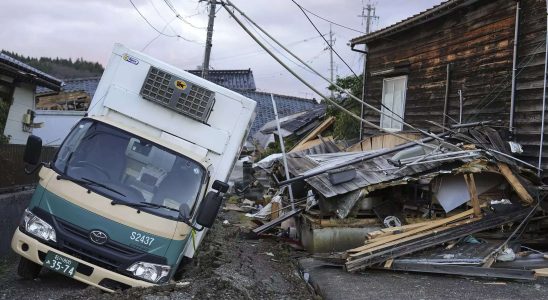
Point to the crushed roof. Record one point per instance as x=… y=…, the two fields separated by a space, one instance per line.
x=286 y=105
x=6 y=59
x=87 y=85
x=231 y=79
x=435 y=12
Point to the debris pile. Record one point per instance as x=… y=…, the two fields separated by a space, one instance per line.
x=459 y=202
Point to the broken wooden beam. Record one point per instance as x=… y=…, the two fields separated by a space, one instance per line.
x=472 y=190
x=515 y=183
x=367 y=259
x=430 y=225
x=277 y=221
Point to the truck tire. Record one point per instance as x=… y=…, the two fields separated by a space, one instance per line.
x=179 y=273
x=27 y=269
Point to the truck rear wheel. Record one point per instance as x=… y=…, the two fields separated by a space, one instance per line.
x=28 y=269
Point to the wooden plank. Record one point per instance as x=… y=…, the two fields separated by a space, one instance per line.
x=515 y=183
x=411 y=238
x=541 y=272
x=432 y=225
x=275 y=210
x=312 y=135
x=472 y=190
x=393 y=230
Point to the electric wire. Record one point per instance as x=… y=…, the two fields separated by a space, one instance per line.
x=160 y=15
x=276 y=49
x=329 y=21
x=157 y=36
x=178 y=15
x=148 y=22
x=228 y=2
x=309 y=85
x=328 y=43
x=159 y=31
x=331 y=47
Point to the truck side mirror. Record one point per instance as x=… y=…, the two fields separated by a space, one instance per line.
x=33 y=150
x=221 y=187
x=208 y=209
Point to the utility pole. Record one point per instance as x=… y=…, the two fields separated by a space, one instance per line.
x=369 y=17
x=209 y=44
x=331 y=43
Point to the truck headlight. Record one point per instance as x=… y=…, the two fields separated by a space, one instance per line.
x=38 y=227
x=150 y=272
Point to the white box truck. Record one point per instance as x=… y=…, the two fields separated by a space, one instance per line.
x=133 y=186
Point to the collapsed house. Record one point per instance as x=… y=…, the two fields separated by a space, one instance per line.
x=457 y=185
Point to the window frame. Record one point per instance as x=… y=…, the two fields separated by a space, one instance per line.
x=382 y=118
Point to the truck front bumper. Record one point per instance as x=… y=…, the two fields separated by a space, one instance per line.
x=98 y=275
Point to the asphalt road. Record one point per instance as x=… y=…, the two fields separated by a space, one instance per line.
x=335 y=283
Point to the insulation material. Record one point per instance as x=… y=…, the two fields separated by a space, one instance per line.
x=451 y=191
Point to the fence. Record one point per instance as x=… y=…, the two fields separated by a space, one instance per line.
x=12 y=174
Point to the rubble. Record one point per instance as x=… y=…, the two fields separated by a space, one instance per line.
x=457 y=202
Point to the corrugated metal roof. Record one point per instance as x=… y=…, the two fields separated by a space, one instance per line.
x=231 y=79
x=422 y=17
x=367 y=172
x=26 y=68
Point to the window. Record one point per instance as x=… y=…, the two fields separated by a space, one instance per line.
x=393 y=97
x=130 y=169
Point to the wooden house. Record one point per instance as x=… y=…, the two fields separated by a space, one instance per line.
x=462 y=61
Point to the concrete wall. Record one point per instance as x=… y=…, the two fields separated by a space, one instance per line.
x=11 y=209
x=23 y=100
x=57 y=125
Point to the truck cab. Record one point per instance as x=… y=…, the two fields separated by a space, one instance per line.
x=135 y=184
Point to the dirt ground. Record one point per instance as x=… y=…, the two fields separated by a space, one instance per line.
x=228 y=266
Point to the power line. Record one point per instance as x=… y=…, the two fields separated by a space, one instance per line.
x=157 y=36
x=178 y=15
x=329 y=21
x=150 y=24
x=249 y=53
x=160 y=32
x=328 y=43
x=323 y=77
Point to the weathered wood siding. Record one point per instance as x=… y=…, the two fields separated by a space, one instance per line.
x=477 y=40
x=529 y=82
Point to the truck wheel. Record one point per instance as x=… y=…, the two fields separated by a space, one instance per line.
x=182 y=268
x=28 y=269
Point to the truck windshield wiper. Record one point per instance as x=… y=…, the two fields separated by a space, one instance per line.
x=88 y=181
x=147 y=204
x=106 y=187
x=130 y=204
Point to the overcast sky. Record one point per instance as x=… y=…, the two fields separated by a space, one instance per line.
x=89 y=28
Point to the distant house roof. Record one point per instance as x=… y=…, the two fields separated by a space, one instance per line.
x=435 y=12
x=88 y=85
x=237 y=80
x=286 y=105
x=294 y=124
x=29 y=73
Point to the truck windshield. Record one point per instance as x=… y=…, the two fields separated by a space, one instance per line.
x=129 y=169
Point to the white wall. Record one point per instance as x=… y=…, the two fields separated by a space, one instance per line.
x=23 y=100
x=57 y=125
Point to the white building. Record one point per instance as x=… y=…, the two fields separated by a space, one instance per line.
x=18 y=82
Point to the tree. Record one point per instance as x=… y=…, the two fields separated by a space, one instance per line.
x=346 y=127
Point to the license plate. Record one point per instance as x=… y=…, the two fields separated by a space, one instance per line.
x=61 y=264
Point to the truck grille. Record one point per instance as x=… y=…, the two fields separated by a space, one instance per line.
x=178 y=94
